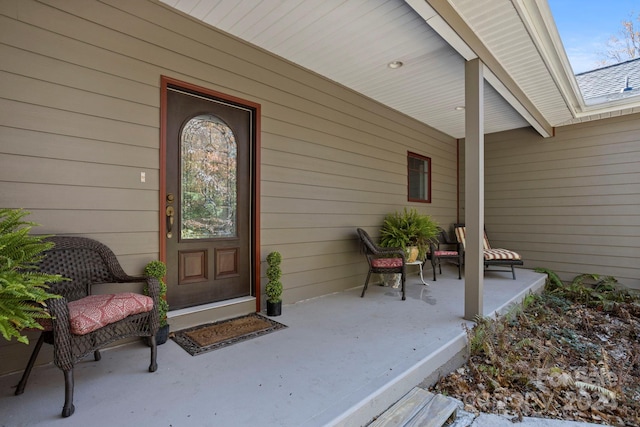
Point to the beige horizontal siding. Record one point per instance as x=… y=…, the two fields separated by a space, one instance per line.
x=569 y=203
x=79 y=121
x=24 y=142
x=16 y=114
x=79 y=174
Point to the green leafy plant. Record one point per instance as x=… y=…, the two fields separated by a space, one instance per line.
x=274 y=286
x=408 y=228
x=23 y=289
x=590 y=289
x=158 y=269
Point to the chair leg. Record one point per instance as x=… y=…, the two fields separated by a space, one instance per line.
x=32 y=360
x=433 y=266
x=154 y=353
x=404 y=297
x=513 y=271
x=459 y=270
x=68 y=409
x=366 y=283
x=97 y=356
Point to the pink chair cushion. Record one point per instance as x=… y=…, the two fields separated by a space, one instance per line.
x=95 y=311
x=498 y=254
x=445 y=253
x=386 y=262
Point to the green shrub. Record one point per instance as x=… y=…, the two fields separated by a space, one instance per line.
x=408 y=228
x=23 y=289
x=274 y=286
x=158 y=269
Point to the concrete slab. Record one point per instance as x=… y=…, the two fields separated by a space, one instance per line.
x=342 y=361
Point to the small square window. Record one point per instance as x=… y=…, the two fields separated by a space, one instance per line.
x=419 y=177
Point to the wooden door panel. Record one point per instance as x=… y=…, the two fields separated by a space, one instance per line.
x=208 y=185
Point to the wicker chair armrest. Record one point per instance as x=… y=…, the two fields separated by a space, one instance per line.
x=63 y=353
x=125 y=278
x=153 y=290
x=59 y=311
x=397 y=252
x=153 y=285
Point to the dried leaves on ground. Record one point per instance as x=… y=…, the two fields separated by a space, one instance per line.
x=571 y=353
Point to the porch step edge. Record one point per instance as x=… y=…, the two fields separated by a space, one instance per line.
x=418 y=408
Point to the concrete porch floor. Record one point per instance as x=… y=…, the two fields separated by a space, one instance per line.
x=342 y=361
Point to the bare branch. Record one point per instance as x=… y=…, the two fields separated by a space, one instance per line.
x=626 y=48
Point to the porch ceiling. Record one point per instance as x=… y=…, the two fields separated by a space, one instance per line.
x=352 y=41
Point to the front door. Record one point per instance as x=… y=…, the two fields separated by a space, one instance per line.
x=207 y=209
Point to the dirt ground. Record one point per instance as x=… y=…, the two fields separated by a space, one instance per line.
x=572 y=353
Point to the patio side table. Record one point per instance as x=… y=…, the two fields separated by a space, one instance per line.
x=419 y=264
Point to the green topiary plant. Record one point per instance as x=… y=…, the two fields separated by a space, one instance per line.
x=274 y=286
x=23 y=289
x=158 y=269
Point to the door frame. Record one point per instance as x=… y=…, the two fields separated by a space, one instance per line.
x=255 y=168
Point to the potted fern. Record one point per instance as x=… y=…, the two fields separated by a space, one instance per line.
x=408 y=229
x=158 y=269
x=23 y=289
x=274 y=286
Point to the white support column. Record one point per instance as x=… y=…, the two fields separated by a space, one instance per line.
x=474 y=188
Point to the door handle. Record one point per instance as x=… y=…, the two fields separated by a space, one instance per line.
x=170 y=213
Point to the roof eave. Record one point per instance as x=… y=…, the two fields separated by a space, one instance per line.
x=446 y=21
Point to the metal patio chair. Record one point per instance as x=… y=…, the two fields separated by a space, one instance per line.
x=382 y=260
x=445 y=249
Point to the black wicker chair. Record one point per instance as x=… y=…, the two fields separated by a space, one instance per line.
x=87 y=262
x=445 y=249
x=382 y=260
x=492 y=256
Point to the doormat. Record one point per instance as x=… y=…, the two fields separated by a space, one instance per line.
x=212 y=336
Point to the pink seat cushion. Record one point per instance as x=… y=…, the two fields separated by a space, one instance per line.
x=500 y=254
x=95 y=311
x=445 y=253
x=386 y=262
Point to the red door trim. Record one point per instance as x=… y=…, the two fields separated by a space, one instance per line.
x=255 y=211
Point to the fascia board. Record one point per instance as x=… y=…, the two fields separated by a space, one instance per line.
x=472 y=47
x=538 y=20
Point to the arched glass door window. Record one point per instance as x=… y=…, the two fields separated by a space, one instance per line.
x=208 y=165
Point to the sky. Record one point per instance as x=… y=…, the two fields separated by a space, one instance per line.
x=585 y=26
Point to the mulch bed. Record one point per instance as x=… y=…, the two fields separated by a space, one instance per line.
x=555 y=357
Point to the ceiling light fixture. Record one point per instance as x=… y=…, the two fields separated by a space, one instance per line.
x=395 y=64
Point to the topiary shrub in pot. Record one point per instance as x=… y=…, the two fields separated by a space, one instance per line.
x=23 y=289
x=274 y=286
x=158 y=269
